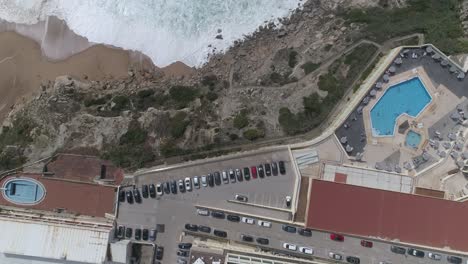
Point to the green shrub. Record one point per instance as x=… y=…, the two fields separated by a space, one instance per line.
x=145 y=93
x=178 y=124
x=121 y=102
x=233 y=137
x=253 y=134
x=134 y=136
x=211 y=96
x=11 y=158
x=309 y=67
x=95 y=101
x=241 y=120
x=183 y=95
x=209 y=80
x=292 y=61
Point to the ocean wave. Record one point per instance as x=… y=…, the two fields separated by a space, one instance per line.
x=165 y=30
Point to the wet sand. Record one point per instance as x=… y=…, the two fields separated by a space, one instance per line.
x=32 y=54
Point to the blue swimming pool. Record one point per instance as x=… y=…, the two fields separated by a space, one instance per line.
x=413 y=139
x=408 y=97
x=23 y=191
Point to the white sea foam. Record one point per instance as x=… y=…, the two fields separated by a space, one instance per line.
x=165 y=30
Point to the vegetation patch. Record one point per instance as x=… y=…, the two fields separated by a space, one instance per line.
x=183 y=95
x=309 y=67
x=438 y=20
x=178 y=124
x=121 y=102
x=292 y=60
x=88 y=102
x=253 y=134
x=241 y=120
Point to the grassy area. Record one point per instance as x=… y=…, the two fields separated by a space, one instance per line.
x=309 y=67
x=438 y=20
x=366 y=73
x=316 y=109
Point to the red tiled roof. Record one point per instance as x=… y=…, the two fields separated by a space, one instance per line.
x=83 y=168
x=80 y=198
x=389 y=215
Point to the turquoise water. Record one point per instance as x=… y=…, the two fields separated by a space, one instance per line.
x=413 y=139
x=24 y=191
x=408 y=97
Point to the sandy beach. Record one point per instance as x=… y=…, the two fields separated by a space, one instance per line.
x=31 y=54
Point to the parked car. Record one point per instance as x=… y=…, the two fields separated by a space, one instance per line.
x=264 y=223
x=434 y=256
x=261 y=172
x=306 y=250
x=152 y=191
x=416 y=253
x=144 y=190
x=204 y=182
x=181 y=186
x=246 y=174
x=247 y=238
x=136 y=195
x=305 y=232
x=366 y=243
x=248 y=220
x=188 y=184
x=274 y=168
x=253 y=170
x=233 y=218
x=289 y=229
x=196 y=182
x=210 y=180
x=224 y=176
x=241 y=198
x=129 y=197
x=159 y=189
x=220 y=233
x=152 y=234
x=120 y=231
x=181 y=261
x=335 y=256
x=185 y=246
x=159 y=253
x=262 y=241
x=191 y=227
x=267 y=169
x=282 y=168
x=290 y=246
x=128 y=232
x=204 y=229
x=239 y=175
x=232 y=175
x=203 y=212
x=398 y=250
x=288 y=201
x=182 y=253
x=353 y=260
x=138 y=234
x=454 y=259
x=384 y=262
x=145 y=234
x=122 y=196
x=217 y=214
x=174 y=187
x=337 y=237
x=167 y=188
x=217 y=178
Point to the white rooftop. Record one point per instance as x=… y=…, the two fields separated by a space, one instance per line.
x=370 y=178
x=53 y=241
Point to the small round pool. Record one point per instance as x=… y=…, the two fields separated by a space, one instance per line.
x=413 y=139
x=25 y=191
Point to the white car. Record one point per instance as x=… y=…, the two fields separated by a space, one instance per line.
x=247 y=220
x=434 y=256
x=306 y=250
x=203 y=212
x=290 y=246
x=196 y=182
x=264 y=223
x=336 y=256
x=241 y=198
x=225 y=177
x=203 y=181
x=159 y=189
x=188 y=184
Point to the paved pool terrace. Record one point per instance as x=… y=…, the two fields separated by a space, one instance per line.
x=354 y=128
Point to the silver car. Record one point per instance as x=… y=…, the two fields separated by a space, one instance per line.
x=204 y=183
x=188 y=184
x=434 y=256
x=196 y=182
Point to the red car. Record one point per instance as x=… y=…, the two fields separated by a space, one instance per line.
x=367 y=244
x=253 y=169
x=337 y=237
